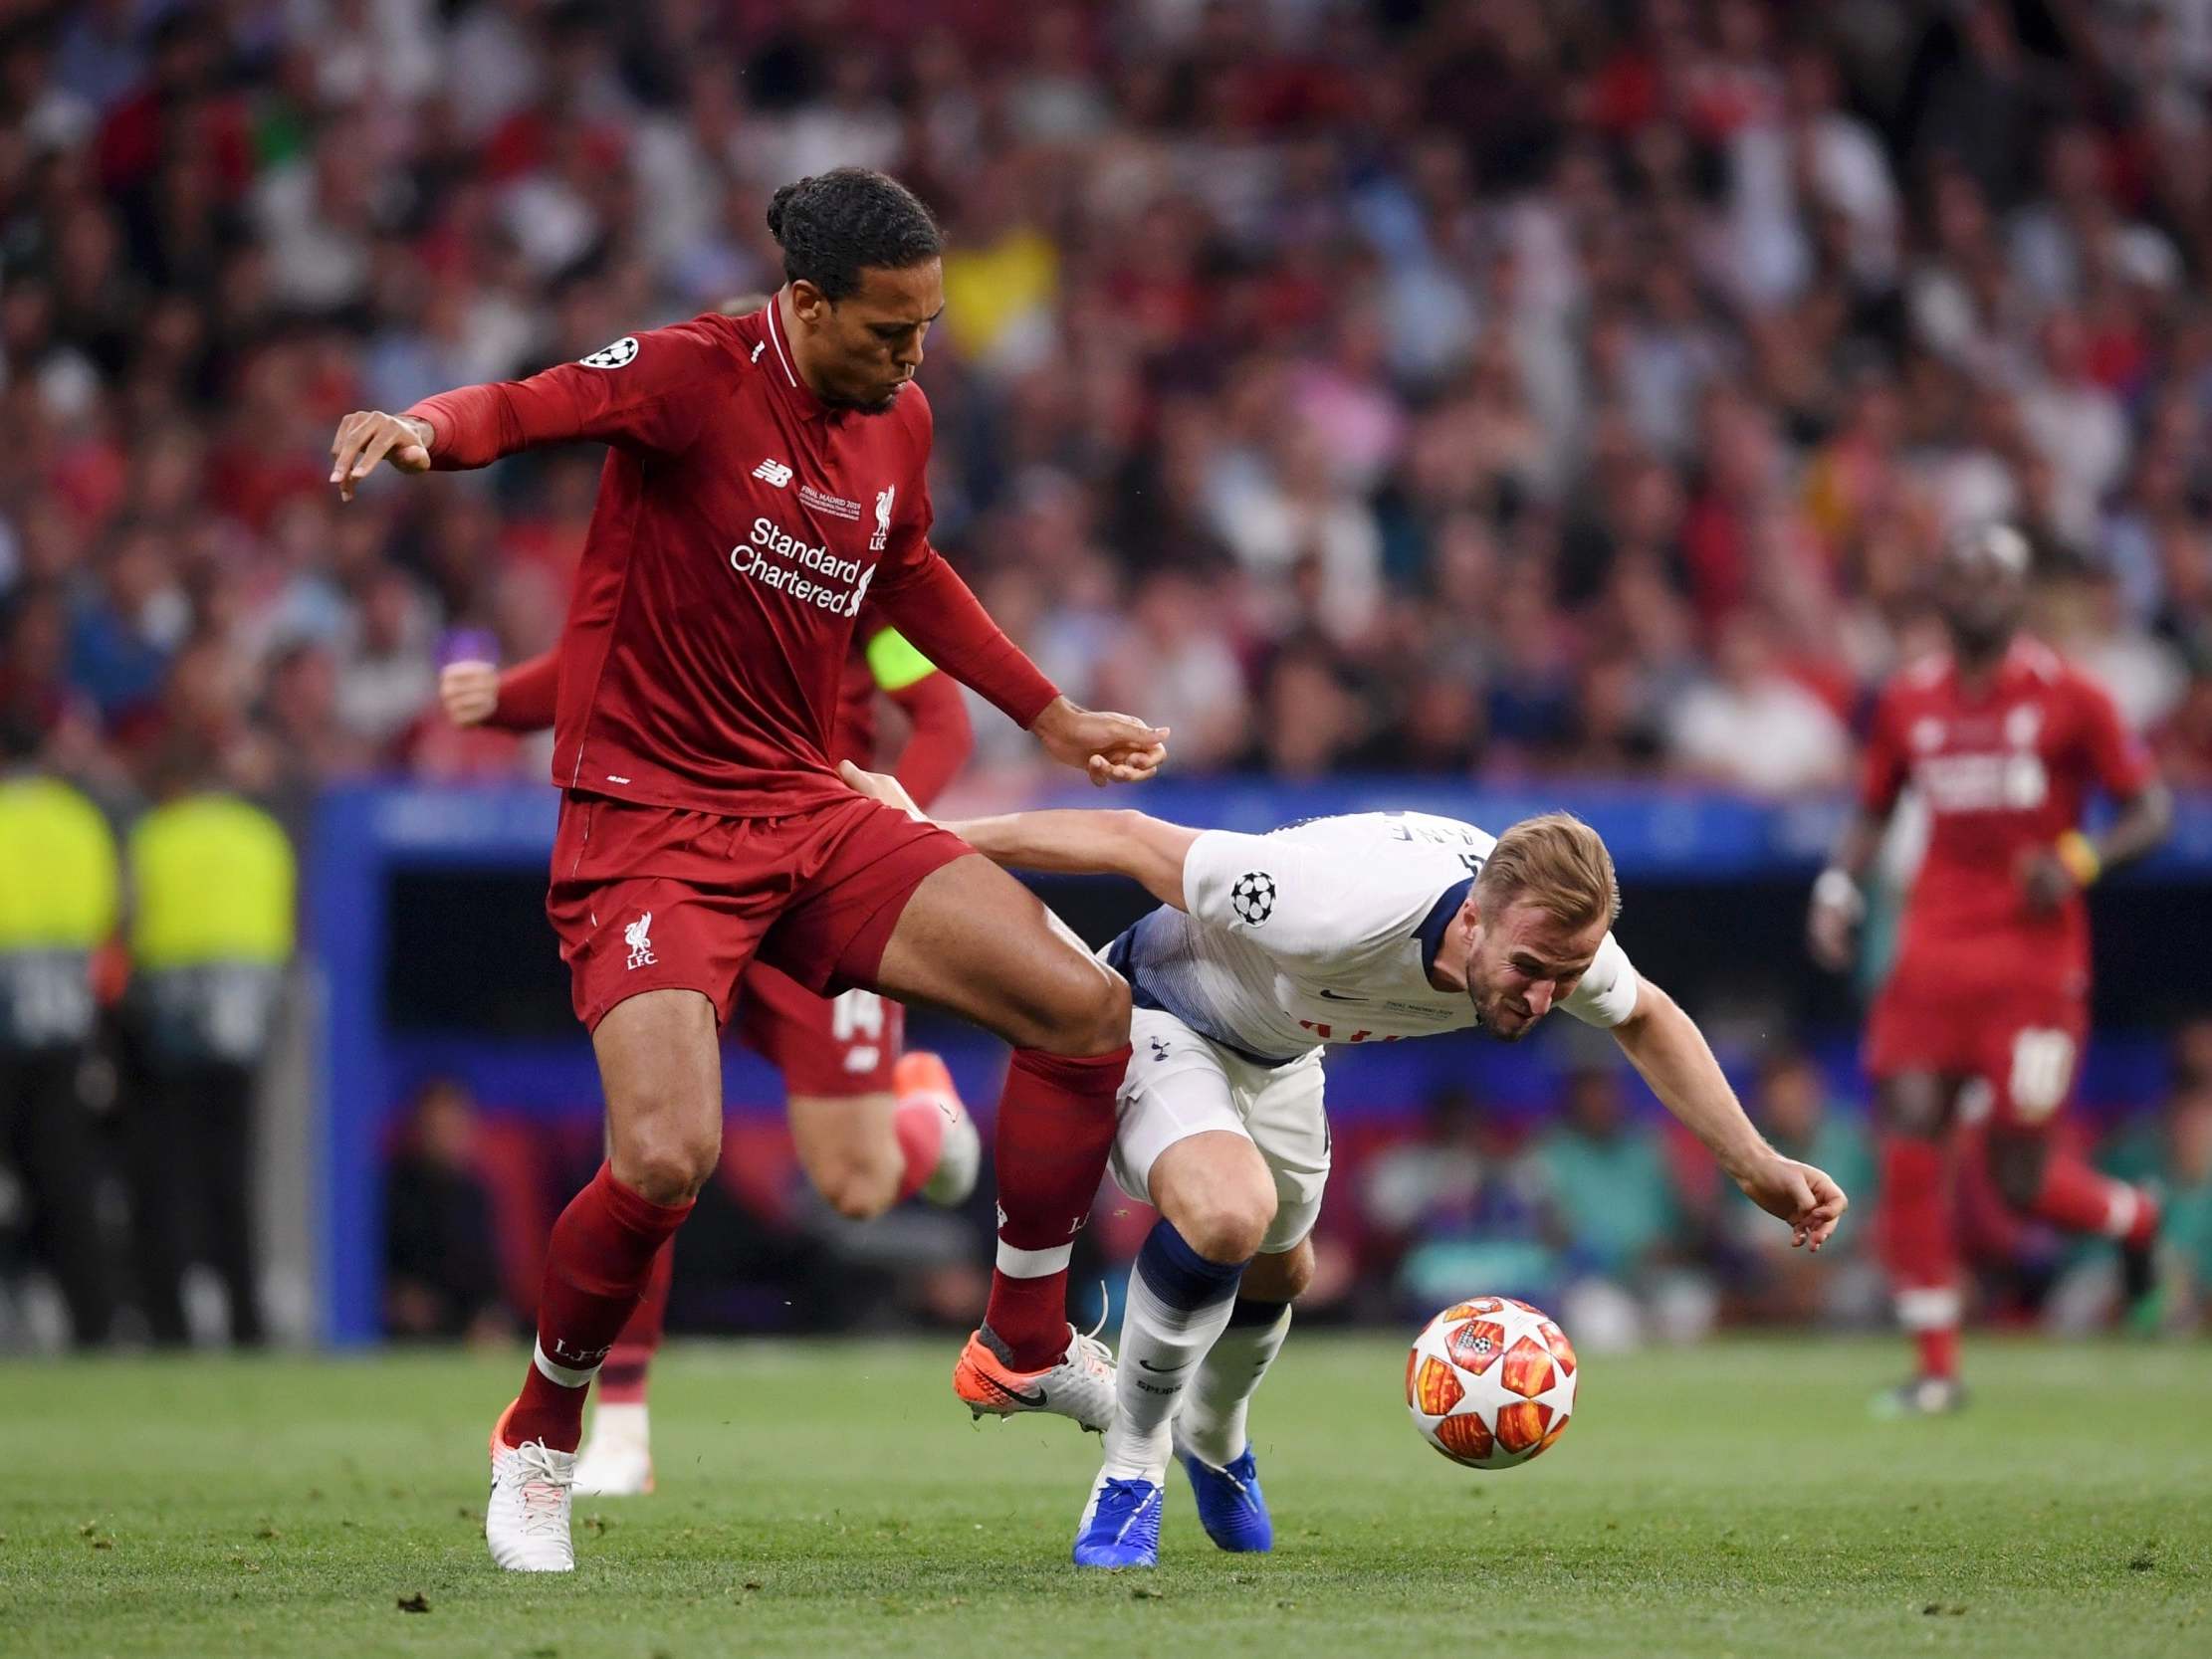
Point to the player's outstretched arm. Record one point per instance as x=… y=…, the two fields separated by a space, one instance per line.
x=1666 y=1046
x=648 y=392
x=1148 y=851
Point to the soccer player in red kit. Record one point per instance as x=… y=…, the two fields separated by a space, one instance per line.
x=2004 y=743
x=873 y=1126
x=765 y=479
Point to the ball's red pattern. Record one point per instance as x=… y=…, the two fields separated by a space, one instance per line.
x=1520 y=1426
x=1562 y=1350
x=1464 y=1438
x=1435 y=1389
x=1528 y=1369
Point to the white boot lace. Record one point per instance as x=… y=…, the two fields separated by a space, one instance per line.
x=543 y=1490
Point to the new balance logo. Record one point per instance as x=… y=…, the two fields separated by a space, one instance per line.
x=638 y=935
x=772 y=472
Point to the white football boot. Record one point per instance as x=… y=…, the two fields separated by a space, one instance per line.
x=526 y=1518
x=1080 y=1385
x=616 y=1457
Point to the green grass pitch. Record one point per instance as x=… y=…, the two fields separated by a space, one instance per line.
x=833 y=1500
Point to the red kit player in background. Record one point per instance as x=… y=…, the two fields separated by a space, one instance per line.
x=765 y=479
x=2004 y=743
x=873 y=1126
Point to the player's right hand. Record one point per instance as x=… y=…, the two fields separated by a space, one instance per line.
x=1830 y=934
x=1806 y=1197
x=468 y=692
x=1831 y=925
x=368 y=436
x=882 y=786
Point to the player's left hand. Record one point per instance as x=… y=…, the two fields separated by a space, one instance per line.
x=1106 y=747
x=1798 y=1193
x=2046 y=881
x=882 y=786
x=468 y=692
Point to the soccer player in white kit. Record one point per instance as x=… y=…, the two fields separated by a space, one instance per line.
x=1266 y=948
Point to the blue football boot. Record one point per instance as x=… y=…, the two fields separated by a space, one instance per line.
x=1231 y=1507
x=1121 y=1524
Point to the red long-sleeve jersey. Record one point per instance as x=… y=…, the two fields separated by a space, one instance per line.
x=938 y=741
x=741 y=525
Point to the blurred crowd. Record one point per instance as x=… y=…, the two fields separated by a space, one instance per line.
x=1538 y=384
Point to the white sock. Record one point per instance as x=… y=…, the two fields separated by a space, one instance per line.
x=1222 y=1390
x=1165 y=1331
x=621 y=1423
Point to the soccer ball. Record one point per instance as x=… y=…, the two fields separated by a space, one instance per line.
x=1491 y=1382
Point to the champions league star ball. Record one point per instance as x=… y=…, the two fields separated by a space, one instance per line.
x=1491 y=1382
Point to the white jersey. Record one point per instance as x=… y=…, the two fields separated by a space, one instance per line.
x=1323 y=933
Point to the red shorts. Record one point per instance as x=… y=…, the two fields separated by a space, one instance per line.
x=836 y=1046
x=2023 y=1041
x=657 y=897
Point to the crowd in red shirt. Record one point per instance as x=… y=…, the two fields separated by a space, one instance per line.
x=1523 y=386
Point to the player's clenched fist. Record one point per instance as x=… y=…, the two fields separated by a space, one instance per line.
x=468 y=692
x=368 y=436
x=1107 y=747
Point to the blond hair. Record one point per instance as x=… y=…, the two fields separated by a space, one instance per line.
x=1557 y=863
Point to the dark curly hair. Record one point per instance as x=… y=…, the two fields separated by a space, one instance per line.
x=834 y=225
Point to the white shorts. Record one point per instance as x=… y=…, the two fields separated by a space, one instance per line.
x=1180 y=1084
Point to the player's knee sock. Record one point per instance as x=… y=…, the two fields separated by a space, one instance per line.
x=622 y=1378
x=2080 y=1201
x=1214 y=1409
x=1055 y=1128
x=919 y=1122
x=1179 y=1302
x=1915 y=1236
x=596 y=1267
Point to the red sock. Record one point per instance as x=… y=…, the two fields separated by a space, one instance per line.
x=1917 y=1239
x=596 y=1267
x=1938 y=1347
x=2076 y=1197
x=919 y=1122
x=1055 y=1128
x=622 y=1378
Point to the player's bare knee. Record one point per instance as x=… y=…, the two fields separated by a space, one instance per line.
x=1914 y=1104
x=1102 y=1021
x=1086 y=1012
x=667 y=1163
x=2016 y=1169
x=1225 y=1222
x=858 y=1187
